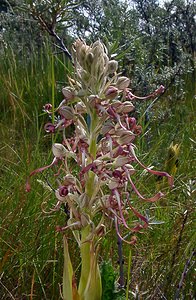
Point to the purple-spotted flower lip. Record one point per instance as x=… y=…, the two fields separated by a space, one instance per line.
x=63 y=191
x=49 y=127
x=47 y=108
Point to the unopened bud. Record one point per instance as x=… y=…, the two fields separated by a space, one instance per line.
x=101 y=230
x=112 y=66
x=89 y=60
x=68 y=93
x=113 y=183
x=67 y=112
x=130 y=169
x=69 y=180
x=127 y=107
x=116 y=104
x=121 y=161
x=122 y=83
x=59 y=150
x=80 y=108
x=120 y=132
x=83 y=200
x=93 y=99
x=85 y=219
x=126 y=138
x=97 y=49
x=82 y=54
x=111 y=92
x=106 y=128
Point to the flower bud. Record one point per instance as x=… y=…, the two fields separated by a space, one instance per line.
x=106 y=60
x=127 y=138
x=85 y=220
x=120 y=132
x=93 y=99
x=89 y=60
x=111 y=92
x=116 y=104
x=67 y=112
x=69 y=180
x=101 y=230
x=122 y=83
x=127 y=107
x=80 y=108
x=98 y=163
x=59 y=150
x=81 y=53
x=97 y=49
x=68 y=93
x=113 y=183
x=106 y=128
x=83 y=200
x=121 y=161
x=130 y=169
x=112 y=66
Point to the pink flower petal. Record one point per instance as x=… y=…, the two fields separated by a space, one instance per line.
x=140 y=216
x=133 y=241
x=28 y=186
x=158 y=173
x=151 y=199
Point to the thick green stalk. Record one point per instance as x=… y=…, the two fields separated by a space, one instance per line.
x=93 y=134
x=85 y=257
x=90 y=287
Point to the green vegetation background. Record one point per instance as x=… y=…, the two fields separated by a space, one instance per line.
x=154 y=45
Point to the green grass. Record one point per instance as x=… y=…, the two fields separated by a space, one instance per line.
x=30 y=249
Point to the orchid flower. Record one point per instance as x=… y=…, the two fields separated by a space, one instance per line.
x=97 y=103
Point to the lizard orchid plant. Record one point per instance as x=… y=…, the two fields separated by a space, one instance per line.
x=97 y=104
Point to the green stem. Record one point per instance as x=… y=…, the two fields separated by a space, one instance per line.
x=93 y=134
x=85 y=258
x=90 y=287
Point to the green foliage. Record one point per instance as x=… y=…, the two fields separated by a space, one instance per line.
x=108 y=277
x=31 y=251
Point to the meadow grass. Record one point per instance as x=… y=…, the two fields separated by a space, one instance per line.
x=31 y=251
